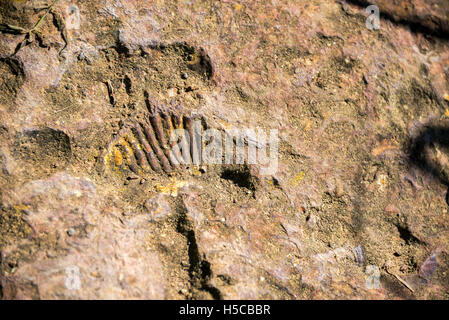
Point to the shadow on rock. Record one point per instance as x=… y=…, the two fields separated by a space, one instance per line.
x=429 y=152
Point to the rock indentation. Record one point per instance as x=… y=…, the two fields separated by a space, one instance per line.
x=45 y=150
x=11 y=79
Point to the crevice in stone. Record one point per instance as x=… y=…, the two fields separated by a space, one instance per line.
x=240 y=176
x=200 y=271
x=407 y=235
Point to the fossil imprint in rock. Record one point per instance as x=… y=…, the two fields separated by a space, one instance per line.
x=168 y=139
x=145 y=145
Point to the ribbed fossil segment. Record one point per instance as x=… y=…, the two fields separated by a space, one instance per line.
x=145 y=146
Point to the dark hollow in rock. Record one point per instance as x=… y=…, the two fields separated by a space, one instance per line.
x=11 y=79
x=239 y=175
x=196 y=59
x=12 y=225
x=422 y=152
x=45 y=151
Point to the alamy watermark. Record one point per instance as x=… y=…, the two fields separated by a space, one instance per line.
x=73 y=17
x=72 y=280
x=373 y=277
x=231 y=146
x=373 y=20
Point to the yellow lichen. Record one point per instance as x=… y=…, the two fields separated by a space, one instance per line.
x=20 y=207
x=129 y=154
x=296 y=180
x=171 y=188
x=446 y=114
x=195 y=171
x=118 y=158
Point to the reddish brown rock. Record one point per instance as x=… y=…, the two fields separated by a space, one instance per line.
x=361 y=114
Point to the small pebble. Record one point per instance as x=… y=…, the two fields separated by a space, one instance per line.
x=184 y=76
x=70 y=232
x=359 y=253
x=429 y=267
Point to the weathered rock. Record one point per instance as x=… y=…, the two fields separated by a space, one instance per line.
x=362 y=119
x=104 y=257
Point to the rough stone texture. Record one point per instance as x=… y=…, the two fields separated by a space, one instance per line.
x=363 y=151
x=72 y=229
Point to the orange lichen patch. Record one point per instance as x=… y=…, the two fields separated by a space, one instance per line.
x=157 y=211
x=171 y=127
x=20 y=207
x=181 y=124
x=238 y=6
x=118 y=159
x=129 y=151
x=385 y=145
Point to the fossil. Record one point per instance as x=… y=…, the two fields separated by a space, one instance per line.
x=145 y=146
x=168 y=139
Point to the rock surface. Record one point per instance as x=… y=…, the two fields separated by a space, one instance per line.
x=357 y=208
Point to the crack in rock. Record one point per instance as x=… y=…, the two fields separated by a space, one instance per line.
x=200 y=271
